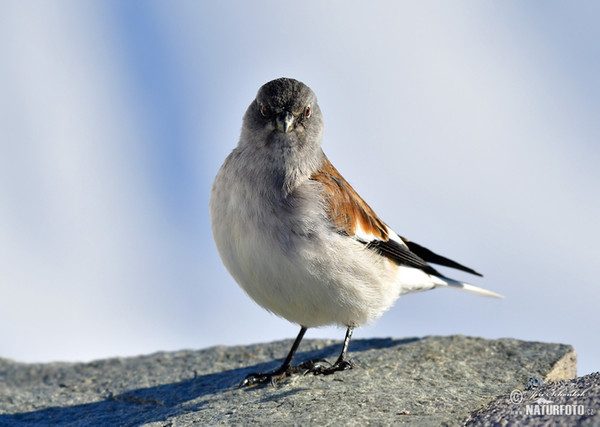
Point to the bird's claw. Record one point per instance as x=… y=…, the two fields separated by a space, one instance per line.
x=255 y=379
x=309 y=366
x=340 y=365
x=315 y=367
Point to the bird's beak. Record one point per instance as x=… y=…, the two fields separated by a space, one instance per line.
x=285 y=122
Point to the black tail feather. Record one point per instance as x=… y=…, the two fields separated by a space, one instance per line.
x=434 y=258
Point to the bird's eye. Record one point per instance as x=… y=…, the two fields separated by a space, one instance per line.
x=263 y=110
x=307 y=111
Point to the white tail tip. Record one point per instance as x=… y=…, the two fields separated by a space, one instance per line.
x=470 y=288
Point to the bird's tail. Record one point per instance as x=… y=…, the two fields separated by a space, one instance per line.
x=470 y=288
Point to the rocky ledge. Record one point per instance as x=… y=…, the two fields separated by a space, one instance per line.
x=419 y=381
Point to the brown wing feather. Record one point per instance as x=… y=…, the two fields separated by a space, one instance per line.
x=346 y=209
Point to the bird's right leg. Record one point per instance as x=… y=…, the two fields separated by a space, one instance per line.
x=341 y=364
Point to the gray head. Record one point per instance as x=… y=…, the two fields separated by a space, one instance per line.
x=281 y=134
x=285 y=114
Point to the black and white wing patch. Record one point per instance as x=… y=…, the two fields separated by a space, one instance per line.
x=352 y=216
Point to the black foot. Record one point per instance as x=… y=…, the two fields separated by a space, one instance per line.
x=271 y=377
x=281 y=374
x=318 y=368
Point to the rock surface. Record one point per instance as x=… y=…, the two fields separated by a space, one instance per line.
x=422 y=381
x=562 y=403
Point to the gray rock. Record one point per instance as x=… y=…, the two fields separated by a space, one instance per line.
x=561 y=403
x=428 y=381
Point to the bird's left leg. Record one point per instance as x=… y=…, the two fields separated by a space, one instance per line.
x=341 y=364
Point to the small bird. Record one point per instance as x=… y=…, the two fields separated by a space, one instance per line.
x=299 y=240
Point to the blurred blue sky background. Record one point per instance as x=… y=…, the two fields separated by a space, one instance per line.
x=470 y=127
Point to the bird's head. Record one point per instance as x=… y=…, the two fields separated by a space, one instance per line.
x=285 y=114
